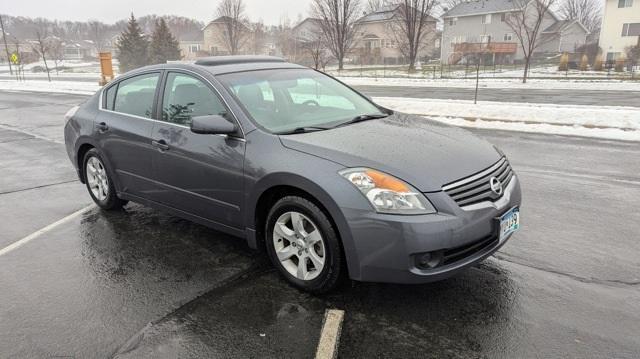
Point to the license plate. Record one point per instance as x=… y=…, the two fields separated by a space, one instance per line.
x=509 y=223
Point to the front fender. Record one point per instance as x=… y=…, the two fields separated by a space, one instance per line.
x=318 y=191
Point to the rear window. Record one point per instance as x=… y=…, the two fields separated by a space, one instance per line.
x=135 y=95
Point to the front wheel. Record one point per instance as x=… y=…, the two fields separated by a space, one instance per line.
x=99 y=183
x=303 y=244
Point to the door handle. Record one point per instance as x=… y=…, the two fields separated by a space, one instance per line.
x=161 y=145
x=102 y=127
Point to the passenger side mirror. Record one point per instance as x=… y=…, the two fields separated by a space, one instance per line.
x=212 y=125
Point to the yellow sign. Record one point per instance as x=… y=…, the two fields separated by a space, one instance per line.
x=15 y=59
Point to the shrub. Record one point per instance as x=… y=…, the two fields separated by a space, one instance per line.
x=564 y=62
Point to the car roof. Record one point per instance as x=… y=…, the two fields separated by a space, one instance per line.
x=218 y=65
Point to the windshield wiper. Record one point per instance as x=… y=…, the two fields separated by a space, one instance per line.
x=362 y=118
x=305 y=129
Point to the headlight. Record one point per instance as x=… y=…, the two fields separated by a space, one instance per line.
x=388 y=194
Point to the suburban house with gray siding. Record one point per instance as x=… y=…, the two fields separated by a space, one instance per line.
x=379 y=42
x=479 y=28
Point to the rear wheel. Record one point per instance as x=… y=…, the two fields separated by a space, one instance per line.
x=303 y=245
x=99 y=183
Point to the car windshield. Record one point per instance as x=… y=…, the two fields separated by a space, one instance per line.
x=282 y=101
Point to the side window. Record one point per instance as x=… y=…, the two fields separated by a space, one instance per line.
x=109 y=97
x=186 y=97
x=135 y=95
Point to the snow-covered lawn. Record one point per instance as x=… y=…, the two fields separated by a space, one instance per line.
x=72 y=87
x=602 y=85
x=610 y=122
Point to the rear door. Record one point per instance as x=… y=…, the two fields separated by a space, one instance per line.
x=123 y=129
x=198 y=174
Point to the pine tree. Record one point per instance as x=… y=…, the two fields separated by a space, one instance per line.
x=133 y=47
x=164 y=47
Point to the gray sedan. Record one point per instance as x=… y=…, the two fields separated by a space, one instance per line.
x=301 y=166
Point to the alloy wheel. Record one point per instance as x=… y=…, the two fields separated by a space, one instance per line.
x=97 y=178
x=299 y=245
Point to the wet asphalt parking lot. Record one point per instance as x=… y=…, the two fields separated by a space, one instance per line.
x=141 y=283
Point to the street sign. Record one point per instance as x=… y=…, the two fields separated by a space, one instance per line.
x=15 y=59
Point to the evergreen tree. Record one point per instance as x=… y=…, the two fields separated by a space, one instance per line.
x=164 y=47
x=133 y=47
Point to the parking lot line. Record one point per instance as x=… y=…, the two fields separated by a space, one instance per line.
x=15 y=245
x=330 y=335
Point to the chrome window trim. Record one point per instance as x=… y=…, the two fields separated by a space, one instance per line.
x=475 y=177
x=159 y=71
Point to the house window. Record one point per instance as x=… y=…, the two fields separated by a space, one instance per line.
x=453 y=21
x=503 y=17
x=625 y=3
x=631 y=29
x=486 y=19
x=194 y=48
x=485 y=39
x=508 y=36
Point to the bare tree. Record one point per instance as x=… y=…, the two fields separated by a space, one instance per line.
x=337 y=19
x=413 y=26
x=316 y=48
x=527 y=24
x=285 y=41
x=97 y=34
x=234 y=22
x=56 y=51
x=41 y=47
x=587 y=12
x=6 y=47
x=375 y=5
x=258 y=37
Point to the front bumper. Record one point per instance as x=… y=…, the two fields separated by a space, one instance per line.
x=387 y=246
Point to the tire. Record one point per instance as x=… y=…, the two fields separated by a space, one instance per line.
x=99 y=183
x=312 y=240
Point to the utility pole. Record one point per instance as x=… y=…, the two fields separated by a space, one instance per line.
x=6 y=47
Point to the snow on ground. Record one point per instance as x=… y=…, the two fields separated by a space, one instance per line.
x=602 y=85
x=587 y=116
x=72 y=87
x=621 y=123
x=602 y=133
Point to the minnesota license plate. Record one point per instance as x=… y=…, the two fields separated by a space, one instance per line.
x=509 y=223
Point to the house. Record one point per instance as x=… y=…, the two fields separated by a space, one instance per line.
x=379 y=42
x=192 y=46
x=620 y=27
x=214 y=40
x=307 y=30
x=79 y=50
x=304 y=36
x=479 y=28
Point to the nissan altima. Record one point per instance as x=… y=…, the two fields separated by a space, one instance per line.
x=327 y=183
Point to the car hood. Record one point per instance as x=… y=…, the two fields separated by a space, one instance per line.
x=425 y=153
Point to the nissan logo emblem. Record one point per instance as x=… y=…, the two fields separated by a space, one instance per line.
x=496 y=185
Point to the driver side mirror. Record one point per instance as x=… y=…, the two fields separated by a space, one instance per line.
x=212 y=125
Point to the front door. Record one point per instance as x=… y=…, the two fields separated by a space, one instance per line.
x=198 y=174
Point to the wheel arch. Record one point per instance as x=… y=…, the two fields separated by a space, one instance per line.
x=275 y=186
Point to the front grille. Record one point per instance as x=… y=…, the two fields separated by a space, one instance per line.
x=477 y=188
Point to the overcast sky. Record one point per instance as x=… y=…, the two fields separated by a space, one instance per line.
x=270 y=11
